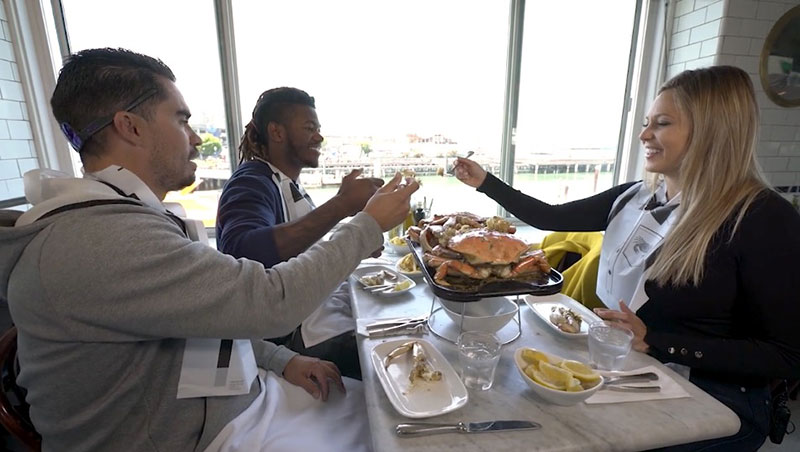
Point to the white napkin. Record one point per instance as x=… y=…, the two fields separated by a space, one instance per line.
x=670 y=389
x=332 y=318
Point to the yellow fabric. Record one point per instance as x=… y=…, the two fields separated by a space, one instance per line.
x=580 y=280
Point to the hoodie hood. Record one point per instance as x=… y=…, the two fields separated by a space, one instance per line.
x=47 y=190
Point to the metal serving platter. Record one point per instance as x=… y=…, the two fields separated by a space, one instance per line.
x=550 y=283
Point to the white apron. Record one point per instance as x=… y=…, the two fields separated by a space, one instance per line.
x=334 y=316
x=639 y=221
x=285 y=418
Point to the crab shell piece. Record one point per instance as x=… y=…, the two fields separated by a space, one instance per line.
x=488 y=247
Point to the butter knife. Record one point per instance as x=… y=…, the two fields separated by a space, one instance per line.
x=424 y=428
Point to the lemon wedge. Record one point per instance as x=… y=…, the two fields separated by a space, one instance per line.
x=580 y=371
x=534 y=356
x=402 y=286
x=556 y=375
x=574 y=385
x=540 y=378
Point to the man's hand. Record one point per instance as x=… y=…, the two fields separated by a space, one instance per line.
x=355 y=192
x=312 y=374
x=629 y=320
x=390 y=205
x=469 y=172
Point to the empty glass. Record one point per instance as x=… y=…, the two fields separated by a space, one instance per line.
x=609 y=345
x=478 y=354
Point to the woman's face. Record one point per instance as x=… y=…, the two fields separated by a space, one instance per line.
x=665 y=136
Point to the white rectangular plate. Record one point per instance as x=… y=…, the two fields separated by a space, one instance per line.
x=361 y=271
x=424 y=399
x=543 y=305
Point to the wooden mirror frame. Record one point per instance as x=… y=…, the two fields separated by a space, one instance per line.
x=769 y=43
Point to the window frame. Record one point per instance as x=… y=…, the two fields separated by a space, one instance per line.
x=644 y=72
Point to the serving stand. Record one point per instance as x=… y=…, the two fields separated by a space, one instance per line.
x=440 y=324
x=443 y=326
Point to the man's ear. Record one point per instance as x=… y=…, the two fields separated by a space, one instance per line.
x=276 y=132
x=129 y=127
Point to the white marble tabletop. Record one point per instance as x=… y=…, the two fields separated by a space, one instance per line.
x=595 y=427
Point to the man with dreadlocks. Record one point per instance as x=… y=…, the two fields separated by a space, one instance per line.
x=265 y=215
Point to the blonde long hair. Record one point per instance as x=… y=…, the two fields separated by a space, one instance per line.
x=719 y=174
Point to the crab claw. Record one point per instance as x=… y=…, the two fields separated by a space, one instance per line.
x=400 y=350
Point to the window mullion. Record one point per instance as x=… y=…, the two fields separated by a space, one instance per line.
x=511 y=102
x=223 y=11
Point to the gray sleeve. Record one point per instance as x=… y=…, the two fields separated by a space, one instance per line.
x=126 y=273
x=270 y=356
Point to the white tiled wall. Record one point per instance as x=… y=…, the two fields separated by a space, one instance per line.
x=17 y=151
x=732 y=32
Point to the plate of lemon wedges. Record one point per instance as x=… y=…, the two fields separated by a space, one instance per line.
x=555 y=379
x=407 y=266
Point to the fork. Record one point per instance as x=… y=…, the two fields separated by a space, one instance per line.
x=624 y=379
x=452 y=170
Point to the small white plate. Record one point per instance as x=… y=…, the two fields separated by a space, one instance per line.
x=426 y=398
x=399 y=250
x=366 y=270
x=406 y=273
x=543 y=305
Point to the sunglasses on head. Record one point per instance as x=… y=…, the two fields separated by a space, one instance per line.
x=78 y=138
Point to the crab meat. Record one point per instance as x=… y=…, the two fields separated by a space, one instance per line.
x=421 y=369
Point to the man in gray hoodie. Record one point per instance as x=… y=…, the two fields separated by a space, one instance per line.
x=122 y=318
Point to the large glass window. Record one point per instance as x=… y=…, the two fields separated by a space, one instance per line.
x=572 y=86
x=397 y=84
x=182 y=33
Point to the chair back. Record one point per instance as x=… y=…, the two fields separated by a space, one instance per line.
x=13 y=408
x=8 y=217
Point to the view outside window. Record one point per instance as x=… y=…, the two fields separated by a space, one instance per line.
x=572 y=86
x=182 y=33
x=398 y=85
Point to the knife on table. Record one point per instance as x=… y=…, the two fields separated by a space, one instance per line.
x=424 y=428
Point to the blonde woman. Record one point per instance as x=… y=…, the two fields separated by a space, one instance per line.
x=701 y=260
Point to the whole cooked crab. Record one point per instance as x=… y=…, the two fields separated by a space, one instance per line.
x=469 y=246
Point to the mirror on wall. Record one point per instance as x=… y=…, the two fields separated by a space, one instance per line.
x=780 y=60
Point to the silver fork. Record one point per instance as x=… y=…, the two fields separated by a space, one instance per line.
x=452 y=170
x=624 y=379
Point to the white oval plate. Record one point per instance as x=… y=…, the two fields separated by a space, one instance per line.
x=542 y=306
x=359 y=272
x=427 y=398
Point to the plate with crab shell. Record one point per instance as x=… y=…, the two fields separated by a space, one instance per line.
x=539 y=284
x=422 y=398
x=544 y=306
x=378 y=274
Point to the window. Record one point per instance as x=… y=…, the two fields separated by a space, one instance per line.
x=397 y=85
x=572 y=86
x=182 y=33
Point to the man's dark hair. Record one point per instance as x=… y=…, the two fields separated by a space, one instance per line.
x=97 y=83
x=272 y=106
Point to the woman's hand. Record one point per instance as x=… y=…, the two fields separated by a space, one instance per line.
x=312 y=374
x=469 y=172
x=630 y=320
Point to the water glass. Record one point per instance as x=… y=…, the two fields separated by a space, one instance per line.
x=478 y=354
x=609 y=344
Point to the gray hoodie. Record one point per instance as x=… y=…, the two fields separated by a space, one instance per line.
x=104 y=297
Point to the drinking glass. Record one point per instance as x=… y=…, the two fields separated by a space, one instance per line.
x=478 y=354
x=609 y=344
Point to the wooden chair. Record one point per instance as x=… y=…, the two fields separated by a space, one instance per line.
x=13 y=408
